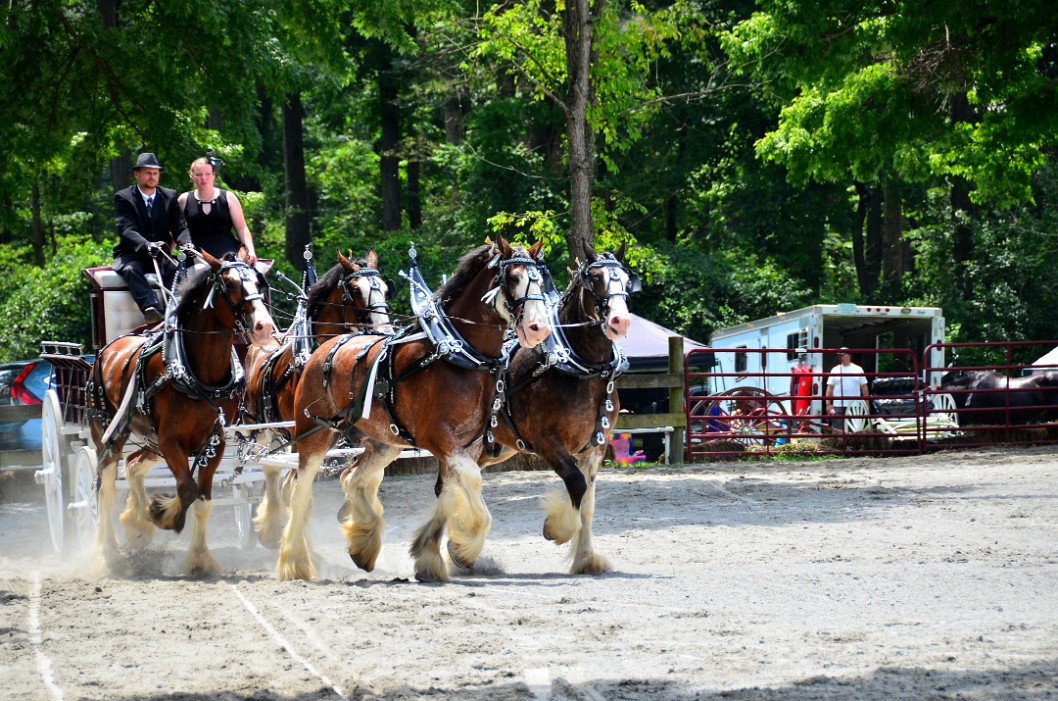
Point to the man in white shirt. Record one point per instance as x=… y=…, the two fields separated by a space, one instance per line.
x=845 y=384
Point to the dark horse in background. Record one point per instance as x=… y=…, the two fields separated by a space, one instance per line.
x=987 y=398
x=174 y=391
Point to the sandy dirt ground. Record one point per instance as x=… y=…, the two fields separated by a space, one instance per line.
x=900 y=578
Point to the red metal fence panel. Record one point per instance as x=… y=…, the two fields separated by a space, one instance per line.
x=989 y=394
x=769 y=402
x=995 y=393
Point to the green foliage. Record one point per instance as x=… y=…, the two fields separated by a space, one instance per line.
x=51 y=303
x=868 y=89
x=729 y=135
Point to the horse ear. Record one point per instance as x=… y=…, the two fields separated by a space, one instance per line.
x=214 y=264
x=372 y=259
x=348 y=264
x=619 y=254
x=589 y=250
x=505 y=248
x=534 y=250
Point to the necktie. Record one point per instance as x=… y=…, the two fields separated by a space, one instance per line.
x=150 y=205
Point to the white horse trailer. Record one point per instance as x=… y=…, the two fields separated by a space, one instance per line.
x=810 y=331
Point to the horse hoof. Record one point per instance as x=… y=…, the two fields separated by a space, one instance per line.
x=547 y=532
x=457 y=560
x=343 y=512
x=367 y=565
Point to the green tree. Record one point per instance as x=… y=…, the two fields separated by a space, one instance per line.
x=880 y=95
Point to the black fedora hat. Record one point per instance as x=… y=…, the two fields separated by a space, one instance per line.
x=147 y=160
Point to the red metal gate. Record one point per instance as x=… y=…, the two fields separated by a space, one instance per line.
x=994 y=393
x=767 y=401
x=762 y=402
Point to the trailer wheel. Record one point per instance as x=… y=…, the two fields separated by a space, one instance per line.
x=746 y=415
x=50 y=475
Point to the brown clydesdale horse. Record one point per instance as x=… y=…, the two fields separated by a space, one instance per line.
x=350 y=297
x=396 y=392
x=561 y=403
x=186 y=383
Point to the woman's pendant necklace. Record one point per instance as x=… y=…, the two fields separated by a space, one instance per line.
x=206 y=204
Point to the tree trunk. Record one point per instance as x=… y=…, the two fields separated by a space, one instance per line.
x=297 y=192
x=859 y=259
x=453 y=115
x=892 y=242
x=963 y=211
x=389 y=163
x=121 y=165
x=414 y=200
x=577 y=21
x=108 y=12
x=37 y=227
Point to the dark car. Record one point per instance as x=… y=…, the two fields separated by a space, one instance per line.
x=23 y=382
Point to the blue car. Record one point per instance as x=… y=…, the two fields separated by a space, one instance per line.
x=23 y=382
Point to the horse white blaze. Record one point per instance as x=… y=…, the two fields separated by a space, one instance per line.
x=375 y=298
x=618 y=318
x=533 y=326
x=261 y=324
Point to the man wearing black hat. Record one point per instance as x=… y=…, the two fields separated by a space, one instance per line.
x=148 y=222
x=846 y=382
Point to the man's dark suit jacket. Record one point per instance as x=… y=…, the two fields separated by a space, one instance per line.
x=134 y=230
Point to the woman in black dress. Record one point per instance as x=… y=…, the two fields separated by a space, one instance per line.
x=212 y=214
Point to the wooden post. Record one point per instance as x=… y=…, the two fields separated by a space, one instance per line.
x=676 y=396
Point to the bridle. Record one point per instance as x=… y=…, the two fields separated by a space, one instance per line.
x=375 y=283
x=614 y=269
x=535 y=271
x=238 y=309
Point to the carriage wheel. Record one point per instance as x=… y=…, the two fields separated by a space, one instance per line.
x=244 y=515
x=84 y=509
x=50 y=475
x=855 y=416
x=746 y=415
x=945 y=410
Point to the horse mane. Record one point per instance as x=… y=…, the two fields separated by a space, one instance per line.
x=469 y=266
x=317 y=294
x=189 y=290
